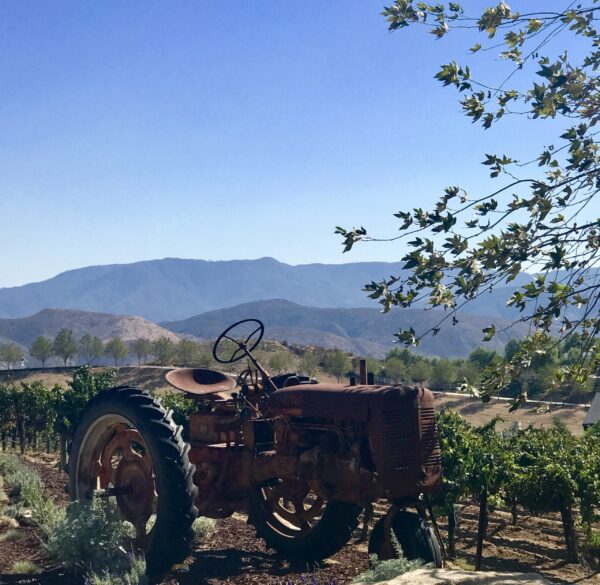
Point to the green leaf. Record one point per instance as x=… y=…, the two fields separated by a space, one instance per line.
x=489 y=332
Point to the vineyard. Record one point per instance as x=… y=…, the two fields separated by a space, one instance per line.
x=525 y=472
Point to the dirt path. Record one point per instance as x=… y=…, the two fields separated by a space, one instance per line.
x=534 y=545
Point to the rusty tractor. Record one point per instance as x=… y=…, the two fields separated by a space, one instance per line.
x=302 y=459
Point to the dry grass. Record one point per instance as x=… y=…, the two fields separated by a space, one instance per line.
x=26 y=568
x=12 y=535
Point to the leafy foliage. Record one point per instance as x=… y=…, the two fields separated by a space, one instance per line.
x=64 y=345
x=142 y=348
x=42 y=349
x=90 y=348
x=542 y=469
x=116 y=349
x=280 y=361
x=10 y=354
x=91 y=538
x=538 y=219
x=71 y=403
x=164 y=350
x=181 y=406
x=337 y=363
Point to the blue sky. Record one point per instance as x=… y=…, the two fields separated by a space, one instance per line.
x=218 y=130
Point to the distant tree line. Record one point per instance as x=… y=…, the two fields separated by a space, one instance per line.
x=400 y=365
x=541 y=375
x=90 y=349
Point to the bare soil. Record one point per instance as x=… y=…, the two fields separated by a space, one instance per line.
x=539 y=415
x=234 y=555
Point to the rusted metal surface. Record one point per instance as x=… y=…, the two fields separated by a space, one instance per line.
x=404 y=441
x=354 y=443
x=307 y=444
x=201 y=382
x=125 y=470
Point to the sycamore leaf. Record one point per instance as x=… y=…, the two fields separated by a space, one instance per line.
x=489 y=332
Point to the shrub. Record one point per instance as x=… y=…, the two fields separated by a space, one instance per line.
x=26 y=568
x=136 y=575
x=204 y=528
x=12 y=535
x=384 y=570
x=27 y=489
x=592 y=544
x=24 y=483
x=90 y=538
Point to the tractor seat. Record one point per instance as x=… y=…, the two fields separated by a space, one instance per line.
x=202 y=382
x=338 y=401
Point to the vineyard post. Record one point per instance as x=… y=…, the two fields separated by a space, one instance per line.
x=482 y=528
x=452 y=530
x=513 y=512
x=568 y=520
x=21 y=432
x=63 y=452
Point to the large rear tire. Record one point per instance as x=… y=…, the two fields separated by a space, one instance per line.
x=413 y=534
x=127 y=445
x=299 y=525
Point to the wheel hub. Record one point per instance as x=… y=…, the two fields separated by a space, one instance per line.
x=136 y=504
x=294 y=503
x=126 y=470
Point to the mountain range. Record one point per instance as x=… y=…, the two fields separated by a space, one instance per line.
x=174 y=289
x=362 y=331
x=310 y=304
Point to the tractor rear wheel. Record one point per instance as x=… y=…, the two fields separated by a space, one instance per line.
x=413 y=534
x=127 y=447
x=297 y=523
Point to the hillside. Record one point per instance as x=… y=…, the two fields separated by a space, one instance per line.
x=49 y=321
x=363 y=331
x=172 y=289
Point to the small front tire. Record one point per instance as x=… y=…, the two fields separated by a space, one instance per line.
x=413 y=534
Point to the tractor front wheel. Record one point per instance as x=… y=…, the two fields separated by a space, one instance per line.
x=127 y=447
x=410 y=533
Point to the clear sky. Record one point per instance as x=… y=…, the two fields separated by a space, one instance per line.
x=218 y=130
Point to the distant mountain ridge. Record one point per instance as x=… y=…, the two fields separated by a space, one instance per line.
x=173 y=289
x=361 y=330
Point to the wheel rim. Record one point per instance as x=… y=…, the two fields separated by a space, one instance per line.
x=294 y=508
x=114 y=461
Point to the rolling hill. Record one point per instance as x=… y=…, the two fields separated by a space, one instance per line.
x=105 y=326
x=173 y=289
x=361 y=330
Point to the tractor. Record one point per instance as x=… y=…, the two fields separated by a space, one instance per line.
x=302 y=459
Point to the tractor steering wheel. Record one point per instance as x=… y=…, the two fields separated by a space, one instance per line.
x=238 y=340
